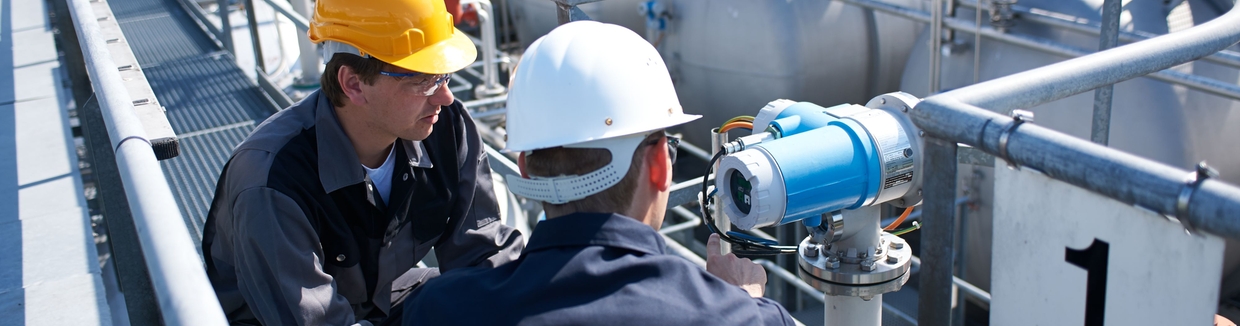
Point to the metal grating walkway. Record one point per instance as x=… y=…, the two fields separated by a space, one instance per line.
x=210 y=102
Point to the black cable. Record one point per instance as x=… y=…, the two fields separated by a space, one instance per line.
x=745 y=246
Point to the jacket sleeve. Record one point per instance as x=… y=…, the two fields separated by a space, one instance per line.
x=475 y=236
x=279 y=263
x=772 y=313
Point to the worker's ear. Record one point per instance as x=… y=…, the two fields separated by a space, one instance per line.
x=521 y=165
x=660 y=166
x=351 y=84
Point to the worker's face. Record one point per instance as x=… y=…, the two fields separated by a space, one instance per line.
x=406 y=107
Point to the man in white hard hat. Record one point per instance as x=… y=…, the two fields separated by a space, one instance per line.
x=321 y=214
x=587 y=108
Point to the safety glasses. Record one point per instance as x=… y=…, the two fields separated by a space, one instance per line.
x=673 y=143
x=424 y=85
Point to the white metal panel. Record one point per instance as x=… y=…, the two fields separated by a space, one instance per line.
x=1156 y=274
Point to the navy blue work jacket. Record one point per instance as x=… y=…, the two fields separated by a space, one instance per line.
x=590 y=269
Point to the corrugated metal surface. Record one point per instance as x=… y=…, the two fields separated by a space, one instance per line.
x=161 y=31
x=196 y=170
x=210 y=103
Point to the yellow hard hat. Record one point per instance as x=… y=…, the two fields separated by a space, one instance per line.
x=413 y=34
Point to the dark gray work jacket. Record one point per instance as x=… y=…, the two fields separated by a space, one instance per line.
x=297 y=233
x=590 y=269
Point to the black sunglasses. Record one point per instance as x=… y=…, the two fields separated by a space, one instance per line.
x=673 y=143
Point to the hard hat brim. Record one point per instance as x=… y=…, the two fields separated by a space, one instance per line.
x=445 y=57
x=557 y=141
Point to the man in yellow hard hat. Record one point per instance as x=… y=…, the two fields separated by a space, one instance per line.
x=321 y=214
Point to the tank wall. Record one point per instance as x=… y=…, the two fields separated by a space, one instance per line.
x=535 y=18
x=731 y=57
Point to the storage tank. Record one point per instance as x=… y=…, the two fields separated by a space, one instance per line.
x=731 y=57
x=534 y=18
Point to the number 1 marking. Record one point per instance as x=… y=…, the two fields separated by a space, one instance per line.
x=1094 y=260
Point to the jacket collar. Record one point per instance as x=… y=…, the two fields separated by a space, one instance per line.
x=338 y=163
x=600 y=229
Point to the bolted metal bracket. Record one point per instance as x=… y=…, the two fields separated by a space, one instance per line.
x=567 y=11
x=1001 y=14
x=1191 y=183
x=1018 y=117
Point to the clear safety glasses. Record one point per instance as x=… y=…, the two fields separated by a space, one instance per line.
x=422 y=84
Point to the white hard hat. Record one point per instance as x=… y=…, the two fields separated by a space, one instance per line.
x=588 y=85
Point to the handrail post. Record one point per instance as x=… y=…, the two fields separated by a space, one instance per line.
x=309 y=57
x=1109 y=38
x=225 y=26
x=939 y=214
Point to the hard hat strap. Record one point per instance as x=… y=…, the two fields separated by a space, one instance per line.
x=564 y=189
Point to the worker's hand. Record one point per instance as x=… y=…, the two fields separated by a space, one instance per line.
x=1219 y=320
x=741 y=272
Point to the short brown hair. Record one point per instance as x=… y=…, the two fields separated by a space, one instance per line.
x=578 y=161
x=366 y=68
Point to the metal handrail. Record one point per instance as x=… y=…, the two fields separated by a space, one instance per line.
x=1199 y=83
x=284 y=8
x=958 y=117
x=1225 y=57
x=180 y=282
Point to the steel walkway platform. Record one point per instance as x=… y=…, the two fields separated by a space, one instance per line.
x=210 y=102
x=49 y=266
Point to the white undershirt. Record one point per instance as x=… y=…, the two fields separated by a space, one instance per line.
x=382 y=177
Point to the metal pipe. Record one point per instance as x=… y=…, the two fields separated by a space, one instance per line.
x=308 y=53
x=691 y=221
x=500 y=163
x=791 y=279
x=490 y=71
x=972 y=290
x=936 y=46
x=1112 y=173
x=201 y=17
x=489 y=113
x=811 y=292
x=722 y=221
x=961 y=263
x=969 y=288
x=1071 y=77
x=683 y=251
x=949 y=11
x=485 y=102
x=939 y=191
x=181 y=286
x=252 y=22
x=1225 y=57
x=977 y=45
x=225 y=25
x=695 y=151
x=1185 y=54
x=686 y=192
x=285 y=9
x=1109 y=38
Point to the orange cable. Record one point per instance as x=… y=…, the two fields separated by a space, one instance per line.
x=899 y=220
x=734 y=125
